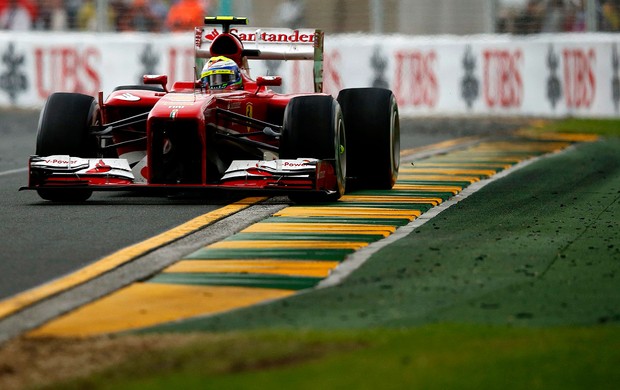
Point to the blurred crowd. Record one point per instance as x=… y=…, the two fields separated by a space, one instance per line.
x=547 y=16
x=530 y=17
x=120 y=15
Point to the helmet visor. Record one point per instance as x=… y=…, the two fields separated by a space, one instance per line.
x=220 y=78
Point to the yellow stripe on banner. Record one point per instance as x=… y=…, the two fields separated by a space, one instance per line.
x=121 y=257
x=286 y=244
x=315 y=269
x=350 y=212
x=326 y=228
x=146 y=304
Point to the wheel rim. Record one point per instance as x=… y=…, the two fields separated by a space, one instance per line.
x=341 y=153
x=394 y=141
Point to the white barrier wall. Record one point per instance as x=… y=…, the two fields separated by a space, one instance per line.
x=544 y=75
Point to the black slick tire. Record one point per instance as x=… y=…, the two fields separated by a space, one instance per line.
x=313 y=127
x=64 y=129
x=373 y=137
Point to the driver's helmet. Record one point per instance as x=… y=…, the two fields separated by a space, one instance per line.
x=221 y=73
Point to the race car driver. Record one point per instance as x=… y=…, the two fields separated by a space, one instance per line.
x=221 y=73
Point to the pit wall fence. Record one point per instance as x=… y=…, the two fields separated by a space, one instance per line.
x=546 y=75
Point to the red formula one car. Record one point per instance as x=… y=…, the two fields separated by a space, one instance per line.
x=195 y=136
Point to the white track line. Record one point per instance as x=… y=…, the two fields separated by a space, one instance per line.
x=13 y=171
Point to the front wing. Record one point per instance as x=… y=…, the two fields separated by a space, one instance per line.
x=101 y=174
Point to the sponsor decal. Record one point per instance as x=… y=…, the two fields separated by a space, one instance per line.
x=62 y=166
x=128 y=97
x=296 y=163
x=579 y=77
x=503 y=84
x=63 y=162
x=275 y=166
x=282 y=36
x=416 y=78
x=100 y=167
x=470 y=86
x=554 y=86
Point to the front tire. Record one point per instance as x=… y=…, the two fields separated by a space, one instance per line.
x=64 y=129
x=314 y=128
x=373 y=136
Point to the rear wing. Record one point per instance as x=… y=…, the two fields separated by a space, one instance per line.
x=265 y=43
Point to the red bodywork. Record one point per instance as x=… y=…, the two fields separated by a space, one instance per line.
x=190 y=135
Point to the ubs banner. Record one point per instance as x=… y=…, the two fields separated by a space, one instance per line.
x=552 y=75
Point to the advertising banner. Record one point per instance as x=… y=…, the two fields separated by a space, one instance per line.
x=546 y=75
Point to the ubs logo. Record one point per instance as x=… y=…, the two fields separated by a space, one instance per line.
x=502 y=81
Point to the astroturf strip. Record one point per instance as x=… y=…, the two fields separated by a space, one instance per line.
x=326 y=236
x=282 y=282
x=403 y=206
x=496 y=168
x=271 y=253
x=432 y=163
x=342 y=220
x=461 y=183
x=404 y=193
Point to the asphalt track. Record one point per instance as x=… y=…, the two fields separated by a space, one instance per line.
x=43 y=242
x=296 y=248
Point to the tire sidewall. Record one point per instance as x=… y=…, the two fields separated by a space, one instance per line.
x=64 y=126
x=314 y=127
x=373 y=136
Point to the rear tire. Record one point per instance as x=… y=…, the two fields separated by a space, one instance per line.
x=373 y=136
x=64 y=129
x=314 y=128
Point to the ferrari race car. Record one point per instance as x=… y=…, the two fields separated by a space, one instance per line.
x=307 y=146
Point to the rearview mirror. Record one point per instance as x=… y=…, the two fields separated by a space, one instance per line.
x=272 y=81
x=157 y=79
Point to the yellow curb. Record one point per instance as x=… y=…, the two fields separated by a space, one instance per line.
x=315 y=269
x=146 y=304
x=123 y=256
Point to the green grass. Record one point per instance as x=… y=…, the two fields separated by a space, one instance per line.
x=436 y=356
x=604 y=127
